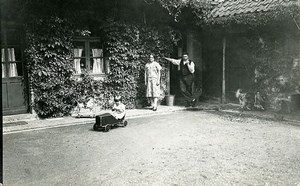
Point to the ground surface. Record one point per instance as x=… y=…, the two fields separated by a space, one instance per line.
x=182 y=148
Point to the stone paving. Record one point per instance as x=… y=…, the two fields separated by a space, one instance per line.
x=183 y=148
x=28 y=122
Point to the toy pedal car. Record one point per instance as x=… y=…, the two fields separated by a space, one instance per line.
x=107 y=121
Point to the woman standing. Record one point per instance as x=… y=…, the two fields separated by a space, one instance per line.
x=152 y=81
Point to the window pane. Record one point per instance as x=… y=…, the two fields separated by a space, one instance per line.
x=95 y=44
x=78 y=53
x=79 y=65
x=3 y=70
x=96 y=49
x=83 y=63
x=15 y=69
x=3 y=62
x=97 y=66
x=18 y=53
x=79 y=45
x=11 y=68
x=2 y=54
x=20 y=69
x=14 y=54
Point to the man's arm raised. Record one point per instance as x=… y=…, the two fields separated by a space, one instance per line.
x=174 y=61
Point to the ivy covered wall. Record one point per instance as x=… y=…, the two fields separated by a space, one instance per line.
x=50 y=66
x=127 y=47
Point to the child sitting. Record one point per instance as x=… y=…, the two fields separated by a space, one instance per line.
x=118 y=109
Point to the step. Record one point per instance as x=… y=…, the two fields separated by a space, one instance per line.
x=19 y=117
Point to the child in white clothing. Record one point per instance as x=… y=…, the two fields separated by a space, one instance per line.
x=118 y=108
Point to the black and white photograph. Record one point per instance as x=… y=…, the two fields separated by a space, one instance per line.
x=150 y=93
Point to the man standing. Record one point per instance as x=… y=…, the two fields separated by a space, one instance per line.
x=186 y=79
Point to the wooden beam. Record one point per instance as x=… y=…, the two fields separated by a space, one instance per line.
x=168 y=78
x=223 y=76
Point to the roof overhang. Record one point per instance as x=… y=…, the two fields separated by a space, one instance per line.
x=230 y=8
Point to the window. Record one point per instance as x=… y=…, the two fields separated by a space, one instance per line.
x=11 y=54
x=88 y=55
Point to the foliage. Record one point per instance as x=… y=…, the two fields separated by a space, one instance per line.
x=199 y=9
x=272 y=66
x=85 y=88
x=128 y=47
x=50 y=66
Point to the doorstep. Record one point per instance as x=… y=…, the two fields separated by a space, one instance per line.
x=18 y=118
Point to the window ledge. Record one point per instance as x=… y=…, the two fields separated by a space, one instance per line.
x=94 y=76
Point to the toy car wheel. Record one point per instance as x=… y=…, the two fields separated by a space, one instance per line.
x=96 y=127
x=125 y=123
x=107 y=128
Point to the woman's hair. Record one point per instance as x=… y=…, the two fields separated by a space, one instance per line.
x=152 y=54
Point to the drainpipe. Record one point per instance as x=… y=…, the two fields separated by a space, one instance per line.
x=31 y=99
x=168 y=78
x=223 y=77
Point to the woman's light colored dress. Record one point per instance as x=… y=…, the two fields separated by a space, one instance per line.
x=152 y=72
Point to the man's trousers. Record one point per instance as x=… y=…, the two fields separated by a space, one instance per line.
x=187 y=87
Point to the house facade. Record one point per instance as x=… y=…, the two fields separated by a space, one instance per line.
x=89 y=52
x=222 y=50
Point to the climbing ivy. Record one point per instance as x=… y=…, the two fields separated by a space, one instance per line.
x=185 y=10
x=50 y=67
x=128 y=47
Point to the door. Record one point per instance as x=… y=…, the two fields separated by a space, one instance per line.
x=14 y=97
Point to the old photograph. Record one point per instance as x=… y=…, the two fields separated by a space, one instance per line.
x=150 y=92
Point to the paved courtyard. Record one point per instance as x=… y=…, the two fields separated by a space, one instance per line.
x=181 y=148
